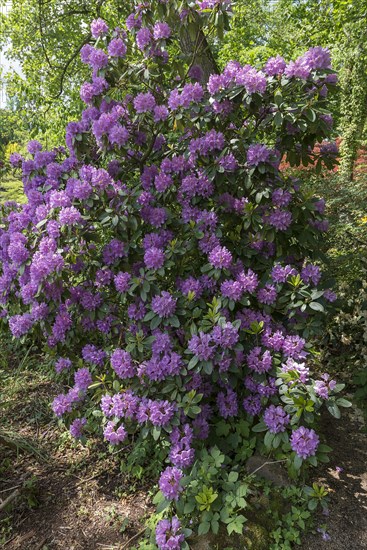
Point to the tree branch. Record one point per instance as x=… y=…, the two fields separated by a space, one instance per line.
x=67 y=65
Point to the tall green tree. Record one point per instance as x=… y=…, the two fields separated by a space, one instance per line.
x=354 y=95
x=45 y=37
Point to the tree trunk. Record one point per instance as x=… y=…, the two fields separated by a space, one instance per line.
x=195 y=46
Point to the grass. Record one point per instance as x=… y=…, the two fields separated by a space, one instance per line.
x=11 y=189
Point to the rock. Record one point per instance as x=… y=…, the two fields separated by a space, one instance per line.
x=267 y=469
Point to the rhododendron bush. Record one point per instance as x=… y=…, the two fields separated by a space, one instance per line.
x=168 y=264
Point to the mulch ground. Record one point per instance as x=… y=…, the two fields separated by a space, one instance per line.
x=72 y=497
x=346 y=478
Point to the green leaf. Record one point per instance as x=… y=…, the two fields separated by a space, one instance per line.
x=312 y=460
x=189 y=507
x=312 y=504
x=116 y=386
x=232 y=477
x=341 y=402
x=260 y=427
x=207 y=367
x=203 y=528
x=158 y=498
x=222 y=429
x=333 y=409
x=242 y=491
x=174 y=321
x=324 y=448
x=278 y=97
x=194 y=410
x=149 y=316
x=310 y=114
x=268 y=439
x=193 y=362
x=215 y=526
x=323 y=458
x=236 y=525
x=316 y=306
x=278 y=119
x=155 y=322
x=297 y=462
x=156 y=432
x=163 y=505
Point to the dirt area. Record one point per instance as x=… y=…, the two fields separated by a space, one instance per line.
x=347 y=521
x=75 y=498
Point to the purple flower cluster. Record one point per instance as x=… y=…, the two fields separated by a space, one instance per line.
x=144 y=102
x=62 y=364
x=276 y=419
x=227 y=403
x=161 y=31
x=169 y=483
x=257 y=154
x=77 y=426
x=304 y=442
x=164 y=305
x=275 y=65
x=258 y=361
x=225 y=336
x=98 y=28
x=122 y=364
x=113 y=435
x=311 y=274
x=220 y=257
x=154 y=258
x=117 y=48
x=182 y=453
x=252 y=405
x=280 y=274
x=324 y=386
x=168 y=534
x=202 y=346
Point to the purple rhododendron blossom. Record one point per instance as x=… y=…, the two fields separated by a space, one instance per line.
x=220 y=257
x=161 y=30
x=304 y=442
x=144 y=102
x=168 y=534
x=258 y=153
x=77 y=426
x=112 y=435
x=154 y=258
x=62 y=364
x=169 y=483
x=275 y=65
x=276 y=419
x=117 y=48
x=122 y=364
x=164 y=305
x=143 y=38
x=98 y=28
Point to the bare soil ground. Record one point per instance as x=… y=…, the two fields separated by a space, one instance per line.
x=347 y=522
x=72 y=497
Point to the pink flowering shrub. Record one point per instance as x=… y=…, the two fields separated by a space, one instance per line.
x=167 y=263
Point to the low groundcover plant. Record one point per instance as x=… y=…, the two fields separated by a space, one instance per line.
x=169 y=265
